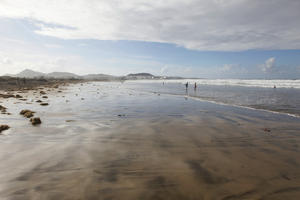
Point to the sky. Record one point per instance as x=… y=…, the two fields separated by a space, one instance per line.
x=246 y=39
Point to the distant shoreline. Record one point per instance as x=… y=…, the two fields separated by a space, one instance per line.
x=14 y=83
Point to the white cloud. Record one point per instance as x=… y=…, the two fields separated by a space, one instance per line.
x=268 y=65
x=164 y=69
x=227 y=67
x=195 y=24
x=53 y=46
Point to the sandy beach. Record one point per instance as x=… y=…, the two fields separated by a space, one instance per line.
x=109 y=141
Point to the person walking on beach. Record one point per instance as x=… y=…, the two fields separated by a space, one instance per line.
x=195 y=86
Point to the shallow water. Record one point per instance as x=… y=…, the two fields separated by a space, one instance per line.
x=283 y=100
x=125 y=141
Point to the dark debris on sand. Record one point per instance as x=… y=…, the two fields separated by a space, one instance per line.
x=27 y=113
x=7 y=96
x=3 y=109
x=35 y=121
x=3 y=128
x=267 y=130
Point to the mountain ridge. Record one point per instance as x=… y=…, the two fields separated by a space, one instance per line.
x=28 y=73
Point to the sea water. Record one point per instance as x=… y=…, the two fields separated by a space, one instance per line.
x=281 y=96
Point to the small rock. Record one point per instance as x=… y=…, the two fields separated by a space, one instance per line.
x=2 y=108
x=18 y=96
x=7 y=96
x=39 y=101
x=267 y=130
x=3 y=128
x=44 y=104
x=42 y=92
x=45 y=97
x=35 y=121
x=27 y=113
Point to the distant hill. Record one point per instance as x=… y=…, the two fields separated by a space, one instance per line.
x=27 y=73
x=141 y=74
x=63 y=75
x=99 y=77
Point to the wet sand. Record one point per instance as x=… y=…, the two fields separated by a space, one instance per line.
x=117 y=143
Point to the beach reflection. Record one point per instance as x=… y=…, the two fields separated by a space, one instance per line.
x=112 y=141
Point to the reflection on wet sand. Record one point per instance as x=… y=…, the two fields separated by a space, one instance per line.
x=211 y=155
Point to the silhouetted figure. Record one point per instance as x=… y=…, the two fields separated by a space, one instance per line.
x=195 y=86
x=274 y=86
x=186 y=85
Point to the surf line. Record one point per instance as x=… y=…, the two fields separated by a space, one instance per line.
x=226 y=104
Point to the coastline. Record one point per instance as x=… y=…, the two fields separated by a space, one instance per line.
x=16 y=84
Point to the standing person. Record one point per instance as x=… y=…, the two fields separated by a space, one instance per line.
x=186 y=85
x=195 y=86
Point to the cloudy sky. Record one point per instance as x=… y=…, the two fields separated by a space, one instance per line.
x=194 y=38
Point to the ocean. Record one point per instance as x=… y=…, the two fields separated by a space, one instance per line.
x=254 y=94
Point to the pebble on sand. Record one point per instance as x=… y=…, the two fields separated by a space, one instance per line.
x=35 y=121
x=3 y=109
x=7 y=96
x=27 y=113
x=44 y=104
x=267 y=130
x=3 y=128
